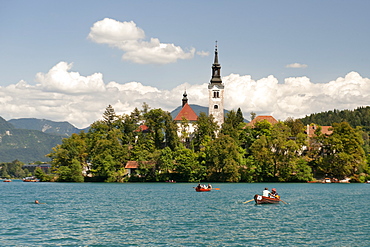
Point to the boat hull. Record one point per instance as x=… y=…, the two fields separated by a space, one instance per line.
x=265 y=200
x=30 y=179
x=202 y=189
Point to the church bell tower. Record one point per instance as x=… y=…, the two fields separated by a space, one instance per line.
x=216 y=92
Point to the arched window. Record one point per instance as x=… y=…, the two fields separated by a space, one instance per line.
x=215 y=106
x=216 y=94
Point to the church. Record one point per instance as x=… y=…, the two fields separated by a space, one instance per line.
x=186 y=118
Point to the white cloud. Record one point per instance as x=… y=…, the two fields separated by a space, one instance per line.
x=129 y=38
x=56 y=97
x=203 y=53
x=59 y=79
x=296 y=66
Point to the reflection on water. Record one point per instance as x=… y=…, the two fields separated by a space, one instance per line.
x=173 y=214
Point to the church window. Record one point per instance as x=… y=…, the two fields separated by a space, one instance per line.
x=215 y=106
x=216 y=94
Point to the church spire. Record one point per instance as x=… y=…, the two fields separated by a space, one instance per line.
x=216 y=92
x=216 y=69
x=184 y=99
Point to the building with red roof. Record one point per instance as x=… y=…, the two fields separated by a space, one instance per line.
x=257 y=119
x=310 y=130
x=185 y=120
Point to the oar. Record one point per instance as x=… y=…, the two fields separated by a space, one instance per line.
x=249 y=201
x=216 y=188
x=283 y=201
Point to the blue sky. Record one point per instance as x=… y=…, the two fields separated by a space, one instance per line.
x=263 y=42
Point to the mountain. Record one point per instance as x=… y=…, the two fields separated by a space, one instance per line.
x=25 y=145
x=197 y=109
x=46 y=126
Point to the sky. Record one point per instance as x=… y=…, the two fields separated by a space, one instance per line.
x=68 y=60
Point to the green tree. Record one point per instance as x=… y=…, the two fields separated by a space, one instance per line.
x=106 y=152
x=187 y=166
x=4 y=171
x=43 y=176
x=343 y=154
x=276 y=154
x=109 y=116
x=205 y=127
x=233 y=125
x=223 y=160
x=296 y=126
x=65 y=156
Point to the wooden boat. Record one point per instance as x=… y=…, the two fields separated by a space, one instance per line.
x=197 y=189
x=30 y=179
x=265 y=200
x=7 y=180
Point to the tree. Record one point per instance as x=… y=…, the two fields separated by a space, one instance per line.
x=276 y=154
x=166 y=164
x=223 y=160
x=109 y=116
x=233 y=124
x=187 y=166
x=4 y=171
x=253 y=115
x=42 y=176
x=65 y=156
x=107 y=155
x=205 y=127
x=343 y=155
x=296 y=126
x=171 y=137
x=155 y=120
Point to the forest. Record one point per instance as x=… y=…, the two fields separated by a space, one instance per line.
x=357 y=117
x=232 y=152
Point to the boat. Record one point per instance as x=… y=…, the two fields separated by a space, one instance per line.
x=30 y=179
x=7 y=180
x=197 y=189
x=265 y=200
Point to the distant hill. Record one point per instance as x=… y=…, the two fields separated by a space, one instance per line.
x=50 y=127
x=25 y=145
x=197 y=109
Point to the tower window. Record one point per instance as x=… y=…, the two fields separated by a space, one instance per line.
x=215 y=106
x=216 y=94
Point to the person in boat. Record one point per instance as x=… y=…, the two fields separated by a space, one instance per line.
x=266 y=192
x=37 y=202
x=274 y=194
x=209 y=186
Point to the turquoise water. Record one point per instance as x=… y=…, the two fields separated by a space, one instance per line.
x=166 y=214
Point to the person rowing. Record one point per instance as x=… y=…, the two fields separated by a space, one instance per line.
x=274 y=194
x=266 y=192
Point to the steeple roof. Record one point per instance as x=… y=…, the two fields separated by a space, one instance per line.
x=187 y=112
x=216 y=70
x=184 y=99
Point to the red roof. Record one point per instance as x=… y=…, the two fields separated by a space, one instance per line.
x=132 y=165
x=142 y=128
x=187 y=113
x=324 y=130
x=269 y=119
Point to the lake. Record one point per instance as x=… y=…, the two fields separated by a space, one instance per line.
x=173 y=214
